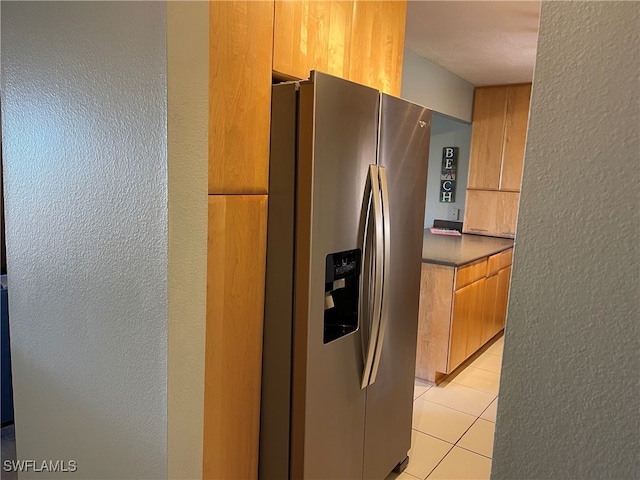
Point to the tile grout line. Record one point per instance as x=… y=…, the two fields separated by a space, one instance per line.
x=466 y=413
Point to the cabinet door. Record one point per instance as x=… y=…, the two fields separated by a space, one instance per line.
x=240 y=38
x=377 y=43
x=489 y=314
x=515 y=134
x=491 y=213
x=489 y=106
x=312 y=35
x=459 y=327
x=502 y=296
x=236 y=259
x=474 y=339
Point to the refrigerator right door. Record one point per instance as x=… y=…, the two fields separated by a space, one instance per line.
x=405 y=131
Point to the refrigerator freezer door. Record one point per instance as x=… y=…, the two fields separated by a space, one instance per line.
x=404 y=153
x=338 y=126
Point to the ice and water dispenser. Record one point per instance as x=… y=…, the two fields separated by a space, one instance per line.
x=341 y=294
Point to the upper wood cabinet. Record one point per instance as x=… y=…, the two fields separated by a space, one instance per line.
x=359 y=40
x=240 y=39
x=500 y=115
x=491 y=213
x=377 y=44
x=311 y=35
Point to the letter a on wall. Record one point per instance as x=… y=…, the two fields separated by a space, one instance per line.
x=448 y=174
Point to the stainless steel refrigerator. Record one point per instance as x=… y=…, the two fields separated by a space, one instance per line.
x=347 y=188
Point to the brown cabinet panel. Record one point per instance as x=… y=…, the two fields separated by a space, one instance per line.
x=436 y=299
x=502 y=296
x=359 y=40
x=474 y=340
x=377 y=43
x=241 y=39
x=312 y=35
x=489 y=314
x=515 y=133
x=233 y=347
x=489 y=108
x=491 y=213
x=459 y=327
x=470 y=273
x=495 y=262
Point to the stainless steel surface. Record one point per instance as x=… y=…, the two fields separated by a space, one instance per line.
x=317 y=421
x=386 y=251
x=457 y=251
x=344 y=145
x=403 y=151
x=276 y=360
x=372 y=330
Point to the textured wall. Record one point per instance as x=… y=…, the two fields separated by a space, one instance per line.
x=446 y=132
x=188 y=117
x=84 y=145
x=570 y=380
x=427 y=84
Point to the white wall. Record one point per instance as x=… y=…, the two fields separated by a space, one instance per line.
x=434 y=87
x=84 y=114
x=569 y=388
x=446 y=132
x=187 y=132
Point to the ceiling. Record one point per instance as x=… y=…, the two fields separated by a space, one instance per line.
x=483 y=42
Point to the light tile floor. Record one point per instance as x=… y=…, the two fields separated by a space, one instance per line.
x=453 y=423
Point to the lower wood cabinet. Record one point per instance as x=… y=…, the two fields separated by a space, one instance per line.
x=461 y=309
x=466 y=331
x=236 y=263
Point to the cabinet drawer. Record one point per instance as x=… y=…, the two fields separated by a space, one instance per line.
x=499 y=261
x=506 y=258
x=494 y=264
x=470 y=273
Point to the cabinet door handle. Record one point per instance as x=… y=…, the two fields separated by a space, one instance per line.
x=478 y=230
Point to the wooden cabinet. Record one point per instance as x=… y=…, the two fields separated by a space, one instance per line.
x=460 y=310
x=377 y=43
x=233 y=347
x=310 y=35
x=240 y=39
x=466 y=330
x=496 y=294
x=491 y=213
x=515 y=134
x=359 y=40
x=500 y=115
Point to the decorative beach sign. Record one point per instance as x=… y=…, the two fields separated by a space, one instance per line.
x=448 y=174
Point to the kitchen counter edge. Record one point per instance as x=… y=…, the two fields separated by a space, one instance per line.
x=457 y=251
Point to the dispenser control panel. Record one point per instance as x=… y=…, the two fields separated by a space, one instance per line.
x=341 y=294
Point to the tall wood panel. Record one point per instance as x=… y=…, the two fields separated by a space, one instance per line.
x=460 y=323
x=436 y=300
x=515 y=134
x=233 y=349
x=485 y=160
x=474 y=340
x=377 y=44
x=241 y=40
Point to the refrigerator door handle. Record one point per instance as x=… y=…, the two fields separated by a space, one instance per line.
x=386 y=252
x=377 y=261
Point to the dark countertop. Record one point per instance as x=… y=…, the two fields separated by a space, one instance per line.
x=457 y=251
